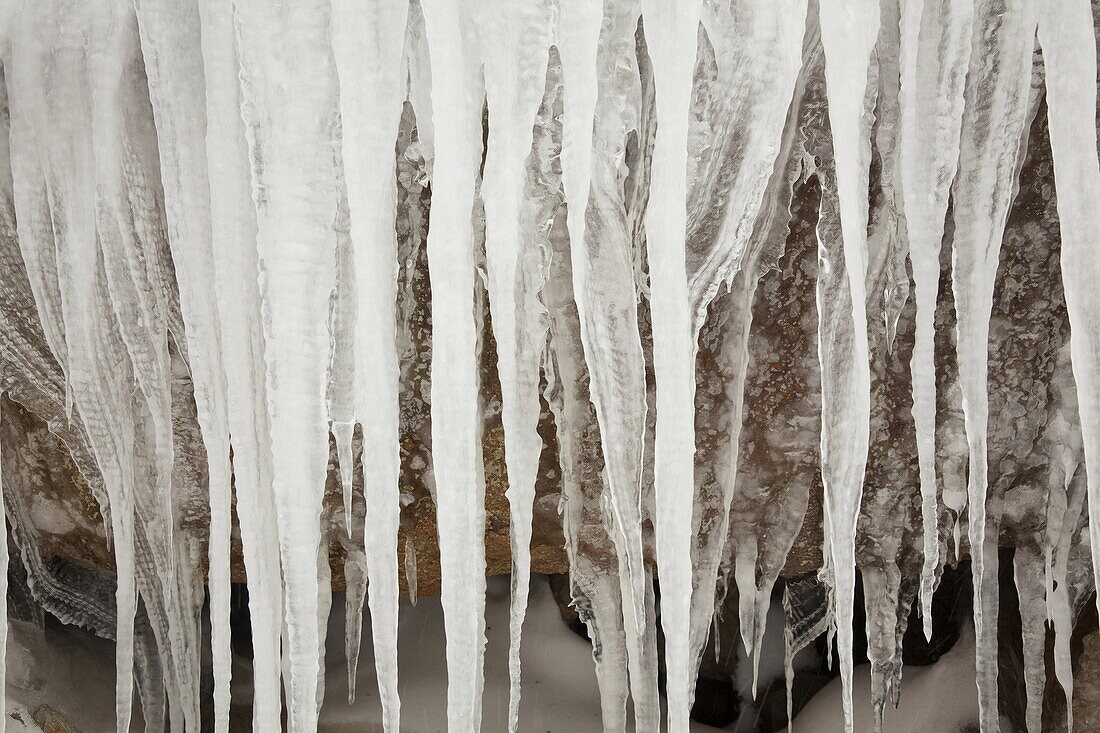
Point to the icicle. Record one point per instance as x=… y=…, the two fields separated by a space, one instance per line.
x=1068 y=40
x=848 y=34
x=758 y=51
x=887 y=246
x=752 y=97
x=368 y=43
x=355 y=578
x=3 y=589
x=237 y=294
x=604 y=623
x=324 y=608
x=171 y=46
x=514 y=41
x=600 y=80
x=410 y=569
x=936 y=40
x=807 y=613
x=173 y=62
x=1065 y=531
x=30 y=152
x=595 y=587
x=86 y=318
x=674 y=29
x=1028 y=576
x=456 y=436
x=342 y=433
x=887 y=600
x=342 y=377
x=289 y=108
x=993 y=123
x=596 y=592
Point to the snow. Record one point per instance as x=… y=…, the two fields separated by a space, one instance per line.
x=941 y=685
x=563 y=696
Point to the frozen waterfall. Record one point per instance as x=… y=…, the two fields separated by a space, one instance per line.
x=392 y=295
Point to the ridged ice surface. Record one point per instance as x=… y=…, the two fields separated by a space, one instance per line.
x=676 y=295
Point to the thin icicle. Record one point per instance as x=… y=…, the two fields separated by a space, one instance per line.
x=237 y=293
x=674 y=30
x=848 y=34
x=289 y=108
x=456 y=434
x=595 y=590
x=1028 y=576
x=355 y=578
x=324 y=608
x=514 y=41
x=368 y=45
x=3 y=592
x=173 y=62
x=410 y=569
x=993 y=123
x=600 y=80
x=936 y=41
x=1068 y=40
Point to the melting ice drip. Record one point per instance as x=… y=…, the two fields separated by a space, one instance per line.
x=214 y=184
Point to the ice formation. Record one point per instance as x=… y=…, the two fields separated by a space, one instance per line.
x=553 y=234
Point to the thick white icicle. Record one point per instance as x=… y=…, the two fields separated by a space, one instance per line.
x=289 y=108
x=456 y=432
x=936 y=38
x=173 y=61
x=514 y=41
x=1066 y=35
x=993 y=122
x=237 y=293
x=368 y=42
x=849 y=29
x=672 y=38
